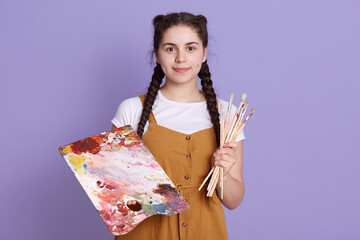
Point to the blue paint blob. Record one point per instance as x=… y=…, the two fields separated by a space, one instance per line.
x=173 y=204
x=159 y=208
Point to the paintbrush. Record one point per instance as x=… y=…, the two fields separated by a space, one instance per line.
x=222 y=139
x=246 y=120
x=213 y=182
x=222 y=135
x=213 y=179
x=207 y=177
x=238 y=123
x=237 y=115
x=221 y=183
x=219 y=170
x=227 y=135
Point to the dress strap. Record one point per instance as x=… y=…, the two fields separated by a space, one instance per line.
x=151 y=115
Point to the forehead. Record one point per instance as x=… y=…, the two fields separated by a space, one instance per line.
x=180 y=34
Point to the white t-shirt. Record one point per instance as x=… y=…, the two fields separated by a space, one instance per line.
x=186 y=118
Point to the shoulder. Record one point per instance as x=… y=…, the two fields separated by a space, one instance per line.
x=130 y=102
x=221 y=101
x=127 y=112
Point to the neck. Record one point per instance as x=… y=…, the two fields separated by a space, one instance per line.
x=186 y=93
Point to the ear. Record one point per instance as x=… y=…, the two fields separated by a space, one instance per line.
x=157 y=58
x=205 y=54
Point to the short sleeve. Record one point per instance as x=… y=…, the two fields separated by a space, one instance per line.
x=128 y=113
x=241 y=136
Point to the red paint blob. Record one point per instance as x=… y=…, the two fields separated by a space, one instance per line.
x=91 y=145
x=166 y=190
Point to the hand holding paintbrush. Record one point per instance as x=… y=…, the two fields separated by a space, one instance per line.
x=227 y=135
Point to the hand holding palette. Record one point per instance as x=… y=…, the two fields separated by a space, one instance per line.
x=115 y=168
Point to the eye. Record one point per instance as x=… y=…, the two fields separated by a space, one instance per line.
x=170 y=49
x=191 y=49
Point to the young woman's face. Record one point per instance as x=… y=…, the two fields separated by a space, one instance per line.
x=181 y=54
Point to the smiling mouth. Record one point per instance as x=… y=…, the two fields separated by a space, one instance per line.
x=181 y=70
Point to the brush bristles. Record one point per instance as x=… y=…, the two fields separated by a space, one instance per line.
x=243 y=97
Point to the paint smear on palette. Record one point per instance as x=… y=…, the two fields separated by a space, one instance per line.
x=114 y=167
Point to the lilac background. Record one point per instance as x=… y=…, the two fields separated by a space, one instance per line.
x=66 y=65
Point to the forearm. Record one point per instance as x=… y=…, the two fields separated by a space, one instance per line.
x=234 y=190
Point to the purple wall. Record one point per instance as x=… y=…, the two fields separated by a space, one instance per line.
x=66 y=65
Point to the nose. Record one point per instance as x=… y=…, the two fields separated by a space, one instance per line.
x=180 y=56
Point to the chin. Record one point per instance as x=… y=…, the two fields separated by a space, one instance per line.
x=181 y=81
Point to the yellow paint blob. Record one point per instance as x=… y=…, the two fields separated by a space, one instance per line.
x=67 y=150
x=77 y=161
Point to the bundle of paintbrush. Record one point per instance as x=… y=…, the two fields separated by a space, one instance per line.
x=227 y=134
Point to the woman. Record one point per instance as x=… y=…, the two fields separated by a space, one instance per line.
x=180 y=126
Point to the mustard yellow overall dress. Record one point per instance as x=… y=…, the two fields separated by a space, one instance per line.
x=186 y=160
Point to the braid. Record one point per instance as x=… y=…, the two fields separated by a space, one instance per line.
x=210 y=96
x=152 y=92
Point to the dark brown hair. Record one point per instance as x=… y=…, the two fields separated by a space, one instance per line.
x=161 y=24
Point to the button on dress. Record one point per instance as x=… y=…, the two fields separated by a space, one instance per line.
x=186 y=160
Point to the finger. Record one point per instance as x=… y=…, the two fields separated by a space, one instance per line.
x=216 y=153
x=225 y=163
x=229 y=151
x=220 y=163
x=227 y=146
x=225 y=167
x=221 y=157
x=226 y=155
x=226 y=158
x=231 y=145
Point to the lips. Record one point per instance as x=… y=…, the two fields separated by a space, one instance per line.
x=181 y=70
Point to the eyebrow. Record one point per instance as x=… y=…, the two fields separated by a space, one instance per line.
x=173 y=44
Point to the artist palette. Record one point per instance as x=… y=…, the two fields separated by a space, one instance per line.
x=116 y=167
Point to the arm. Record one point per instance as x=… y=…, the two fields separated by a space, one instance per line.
x=230 y=157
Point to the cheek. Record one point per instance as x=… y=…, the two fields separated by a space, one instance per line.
x=163 y=68
x=198 y=62
x=165 y=61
